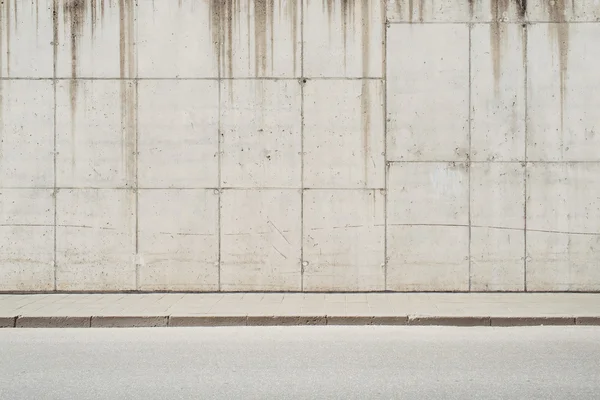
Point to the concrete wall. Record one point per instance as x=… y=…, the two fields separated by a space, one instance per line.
x=317 y=145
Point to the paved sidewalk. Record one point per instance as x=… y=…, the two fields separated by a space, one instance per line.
x=217 y=309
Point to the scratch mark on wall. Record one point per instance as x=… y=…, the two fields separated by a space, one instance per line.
x=277 y=250
x=277 y=229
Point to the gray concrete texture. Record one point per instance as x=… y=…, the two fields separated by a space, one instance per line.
x=299 y=145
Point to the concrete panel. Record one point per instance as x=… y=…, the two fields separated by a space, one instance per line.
x=559 y=11
x=563 y=96
x=497 y=92
x=428 y=234
x=562 y=262
x=498 y=219
x=26 y=133
x=178 y=134
x=344 y=240
x=95 y=39
x=428 y=92
x=95 y=239
x=563 y=239
x=344 y=134
x=178 y=240
x=428 y=194
x=23 y=53
x=177 y=40
x=95 y=133
x=348 y=40
x=26 y=239
x=261 y=140
x=430 y=11
x=260 y=240
x=428 y=258
x=563 y=197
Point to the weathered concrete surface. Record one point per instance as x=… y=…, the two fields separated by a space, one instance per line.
x=299 y=145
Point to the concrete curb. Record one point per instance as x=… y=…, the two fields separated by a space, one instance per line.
x=283 y=320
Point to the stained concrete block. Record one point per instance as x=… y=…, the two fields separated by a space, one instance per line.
x=26 y=240
x=24 y=53
x=53 y=322
x=562 y=92
x=178 y=133
x=428 y=194
x=428 y=258
x=344 y=240
x=261 y=140
x=95 y=133
x=178 y=240
x=497 y=92
x=428 y=92
x=429 y=11
x=96 y=38
x=344 y=134
x=178 y=40
x=95 y=239
x=7 y=322
x=129 y=321
x=559 y=11
x=260 y=240
x=498 y=226
x=449 y=321
x=349 y=40
x=563 y=239
x=27 y=138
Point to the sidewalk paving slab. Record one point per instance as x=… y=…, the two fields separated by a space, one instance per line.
x=282 y=309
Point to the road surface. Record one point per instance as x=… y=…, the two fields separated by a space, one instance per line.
x=301 y=363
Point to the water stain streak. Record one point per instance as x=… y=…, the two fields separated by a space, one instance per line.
x=224 y=26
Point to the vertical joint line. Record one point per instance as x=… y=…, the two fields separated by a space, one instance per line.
x=470 y=25
x=302 y=82
x=385 y=145
x=526 y=82
x=137 y=188
x=54 y=83
x=219 y=189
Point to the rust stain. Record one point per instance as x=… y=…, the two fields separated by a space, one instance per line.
x=74 y=15
x=500 y=10
x=127 y=89
x=224 y=25
x=559 y=30
x=1 y=39
x=8 y=40
x=365 y=95
x=54 y=31
x=291 y=12
x=37 y=17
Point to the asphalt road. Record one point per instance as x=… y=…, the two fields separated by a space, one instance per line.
x=301 y=363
